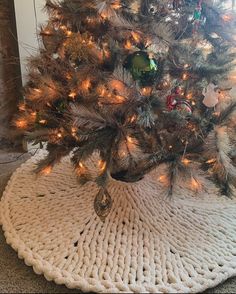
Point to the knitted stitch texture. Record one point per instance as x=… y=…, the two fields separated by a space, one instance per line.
x=148 y=243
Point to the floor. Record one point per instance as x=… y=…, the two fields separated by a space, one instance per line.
x=16 y=277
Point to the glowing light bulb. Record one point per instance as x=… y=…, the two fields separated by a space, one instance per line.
x=47 y=170
x=185 y=76
x=102 y=165
x=72 y=95
x=21 y=123
x=69 y=33
x=186 y=161
x=189 y=96
x=210 y=161
x=136 y=37
x=86 y=84
x=130 y=139
x=43 y=122
x=133 y=118
x=128 y=45
x=195 y=185
x=146 y=91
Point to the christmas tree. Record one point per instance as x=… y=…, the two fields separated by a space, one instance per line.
x=131 y=85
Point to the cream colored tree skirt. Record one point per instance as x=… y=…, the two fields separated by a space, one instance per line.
x=148 y=243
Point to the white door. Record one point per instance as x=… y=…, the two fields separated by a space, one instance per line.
x=29 y=16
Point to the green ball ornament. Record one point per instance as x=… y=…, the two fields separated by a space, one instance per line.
x=143 y=68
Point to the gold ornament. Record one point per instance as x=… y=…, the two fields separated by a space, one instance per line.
x=103 y=204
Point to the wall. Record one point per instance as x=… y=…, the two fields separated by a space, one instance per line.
x=27 y=27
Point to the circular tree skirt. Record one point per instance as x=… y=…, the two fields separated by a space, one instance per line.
x=148 y=243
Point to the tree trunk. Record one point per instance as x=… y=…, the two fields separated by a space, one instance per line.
x=10 y=74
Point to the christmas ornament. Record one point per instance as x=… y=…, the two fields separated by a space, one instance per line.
x=183 y=107
x=103 y=204
x=211 y=96
x=180 y=105
x=197 y=16
x=151 y=7
x=142 y=67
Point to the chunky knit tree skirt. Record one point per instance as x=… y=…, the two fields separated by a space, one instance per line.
x=148 y=243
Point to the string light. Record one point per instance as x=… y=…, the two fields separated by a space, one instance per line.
x=216 y=113
x=128 y=45
x=210 y=161
x=185 y=77
x=21 y=123
x=47 y=170
x=86 y=84
x=146 y=91
x=116 y=5
x=37 y=90
x=130 y=140
x=227 y=17
x=72 y=95
x=163 y=179
x=43 y=122
x=101 y=90
x=120 y=98
x=195 y=185
x=63 y=27
x=68 y=33
x=186 y=161
x=136 y=37
x=81 y=169
x=59 y=135
x=47 y=32
x=117 y=85
x=81 y=165
x=133 y=118
x=189 y=96
x=102 y=165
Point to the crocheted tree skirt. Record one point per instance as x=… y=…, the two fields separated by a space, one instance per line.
x=148 y=243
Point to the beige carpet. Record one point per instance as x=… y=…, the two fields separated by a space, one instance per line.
x=16 y=277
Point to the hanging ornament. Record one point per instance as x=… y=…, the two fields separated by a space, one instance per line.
x=197 y=16
x=150 y=7
x=183 y=107
x=142 y=67
x=180 y=105
x=211 y=95
x=103 y=203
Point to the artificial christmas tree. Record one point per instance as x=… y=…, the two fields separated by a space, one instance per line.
x=139 y=83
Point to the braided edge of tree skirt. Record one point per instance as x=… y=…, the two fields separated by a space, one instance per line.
x=148 y=243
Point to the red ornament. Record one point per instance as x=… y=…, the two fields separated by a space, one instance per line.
x=184 y=107
x=171 y=102
x=174 y=103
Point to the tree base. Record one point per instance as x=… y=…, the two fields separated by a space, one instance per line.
x=148 y=243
